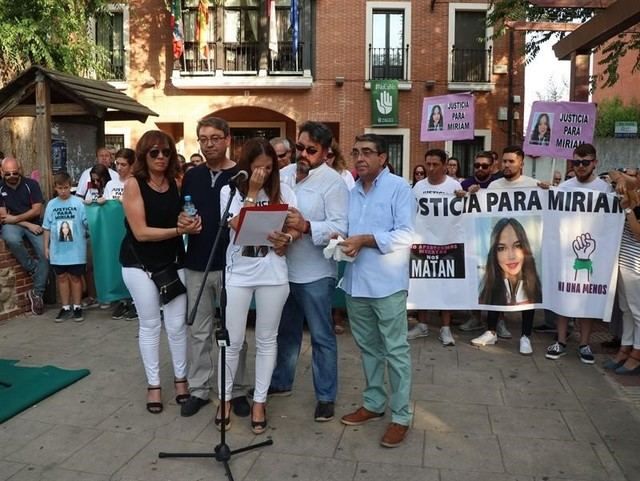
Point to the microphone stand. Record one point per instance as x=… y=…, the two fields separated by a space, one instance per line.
x=221 y=453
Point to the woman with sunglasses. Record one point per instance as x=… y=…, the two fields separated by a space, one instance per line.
x=419 y=173
x=152 y=242
x=259 y=271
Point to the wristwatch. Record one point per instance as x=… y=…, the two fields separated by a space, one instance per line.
x=628 y=211
x=250 y=199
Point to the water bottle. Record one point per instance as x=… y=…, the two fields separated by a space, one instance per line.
x=189 y=207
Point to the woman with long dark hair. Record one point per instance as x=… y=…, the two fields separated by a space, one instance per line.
x=541 y=133
x=259 y=271
x=419 y=173
x=99 y=176
x=153 y=242
x=510 y=278
x=436 y=121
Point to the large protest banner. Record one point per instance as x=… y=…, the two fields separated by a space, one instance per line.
x=448 y=117
x=557 y=128
x=510 y=250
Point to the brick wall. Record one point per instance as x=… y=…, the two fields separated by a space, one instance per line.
x=14 y=285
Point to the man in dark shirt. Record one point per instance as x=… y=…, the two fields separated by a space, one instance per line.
x=20 y=210
x=482 y=173
x=203 y=184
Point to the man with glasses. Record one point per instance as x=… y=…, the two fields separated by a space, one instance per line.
x=21 y=204
x=203 y=184
x=584 y=165
x=284 y=153
x=381 y=224
x=322 y=210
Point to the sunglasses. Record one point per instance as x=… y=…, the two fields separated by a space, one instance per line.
x=419 y=172
x=481 y=166
x=282 y=156
x=154 y=153
x=582 y=162
x=12 y=174
x=310 y=150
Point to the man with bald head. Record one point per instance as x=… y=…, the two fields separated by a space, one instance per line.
x=104 y=157
x=21 y=204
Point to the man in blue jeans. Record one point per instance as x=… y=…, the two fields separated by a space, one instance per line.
x=20 y=211
x=322 y=210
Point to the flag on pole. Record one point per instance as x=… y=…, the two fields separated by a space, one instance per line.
x=293 y=20
x=176 y=28
x=202 y=22
x=273 y=27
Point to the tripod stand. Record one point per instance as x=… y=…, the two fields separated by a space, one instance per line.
x=221 y=453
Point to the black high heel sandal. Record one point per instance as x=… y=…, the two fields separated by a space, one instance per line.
x=218 y=420
x=154 y=407
x=259 y=427
x=181 y=398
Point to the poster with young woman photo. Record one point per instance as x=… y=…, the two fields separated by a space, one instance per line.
x=541 y=132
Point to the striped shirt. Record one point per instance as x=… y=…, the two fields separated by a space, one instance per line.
x=630 y=248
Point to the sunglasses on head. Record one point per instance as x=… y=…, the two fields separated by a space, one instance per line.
x=582 y=162
x=310 y=150
x=478 y=165
x=12 y=174
x=154 y=153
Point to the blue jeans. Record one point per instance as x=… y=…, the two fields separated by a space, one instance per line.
x=311 y=301
x=13 y=236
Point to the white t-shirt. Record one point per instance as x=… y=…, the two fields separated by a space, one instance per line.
x=424 y=187
x=114 y=189
x=288 y=175
x=520 y=182
x=244 y=271
x=348 y=179
x=595 y=184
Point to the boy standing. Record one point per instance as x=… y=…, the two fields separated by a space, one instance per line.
x=65 y=245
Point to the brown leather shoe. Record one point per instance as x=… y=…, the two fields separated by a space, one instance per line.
x=361 y=416
x=394 y=435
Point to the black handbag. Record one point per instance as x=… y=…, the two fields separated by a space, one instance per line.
x=166 y=280
x=168 y=283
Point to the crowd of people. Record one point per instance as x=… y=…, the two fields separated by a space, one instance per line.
x=289 y=280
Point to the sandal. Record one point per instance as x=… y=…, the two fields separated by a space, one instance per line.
x=259 y=427
x=154 y=407
x=218 y=420
x=619 y=359
x=181 y=398
x=624 y=370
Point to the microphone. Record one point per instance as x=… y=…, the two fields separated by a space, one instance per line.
x=239 y=177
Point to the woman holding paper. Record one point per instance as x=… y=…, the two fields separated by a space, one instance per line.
x=255 y=270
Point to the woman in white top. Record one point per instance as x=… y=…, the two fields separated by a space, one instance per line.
x=255 y=270
x=337 y=162
x=124 y=160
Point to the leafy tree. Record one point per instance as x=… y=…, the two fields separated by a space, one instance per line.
x=51 y=33
x=613 y=50
x=613 y=110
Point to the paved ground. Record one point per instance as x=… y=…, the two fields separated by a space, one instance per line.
x=487 y=414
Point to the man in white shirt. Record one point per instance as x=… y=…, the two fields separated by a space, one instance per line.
x=512 y=165
x=437 y=183
x=584 y=165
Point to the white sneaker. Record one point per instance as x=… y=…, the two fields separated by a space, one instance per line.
x=486 y=339
x=502 y=331
x=472 y=324
x=419 y=330
x=525 y=346
x=445 y=336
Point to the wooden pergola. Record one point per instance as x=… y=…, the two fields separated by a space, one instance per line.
x=46 y=94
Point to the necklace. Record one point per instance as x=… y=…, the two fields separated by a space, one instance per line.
x=160 y=186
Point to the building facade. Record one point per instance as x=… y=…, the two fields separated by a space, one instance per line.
x=267 y=66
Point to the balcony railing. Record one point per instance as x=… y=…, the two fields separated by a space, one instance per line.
x=470 y=65
x=285 y=61
x=194 y=60
x=388 y=63
x=241 y=57
x=115 y=66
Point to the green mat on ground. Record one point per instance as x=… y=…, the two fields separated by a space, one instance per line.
x=22 y=387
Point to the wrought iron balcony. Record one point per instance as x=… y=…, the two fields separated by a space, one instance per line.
x=470 y=65
x=241 y=57
x=116 y=59
x=285 y=61
x=388 y=63
x=193 y=60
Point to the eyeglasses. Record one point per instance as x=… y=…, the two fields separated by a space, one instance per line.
x=582 y=162
x=12 y=174
x=478 y=165
x=214 y=139
x=282 y=156
x=310 y=150
x=355 y=153
x=154 y=153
